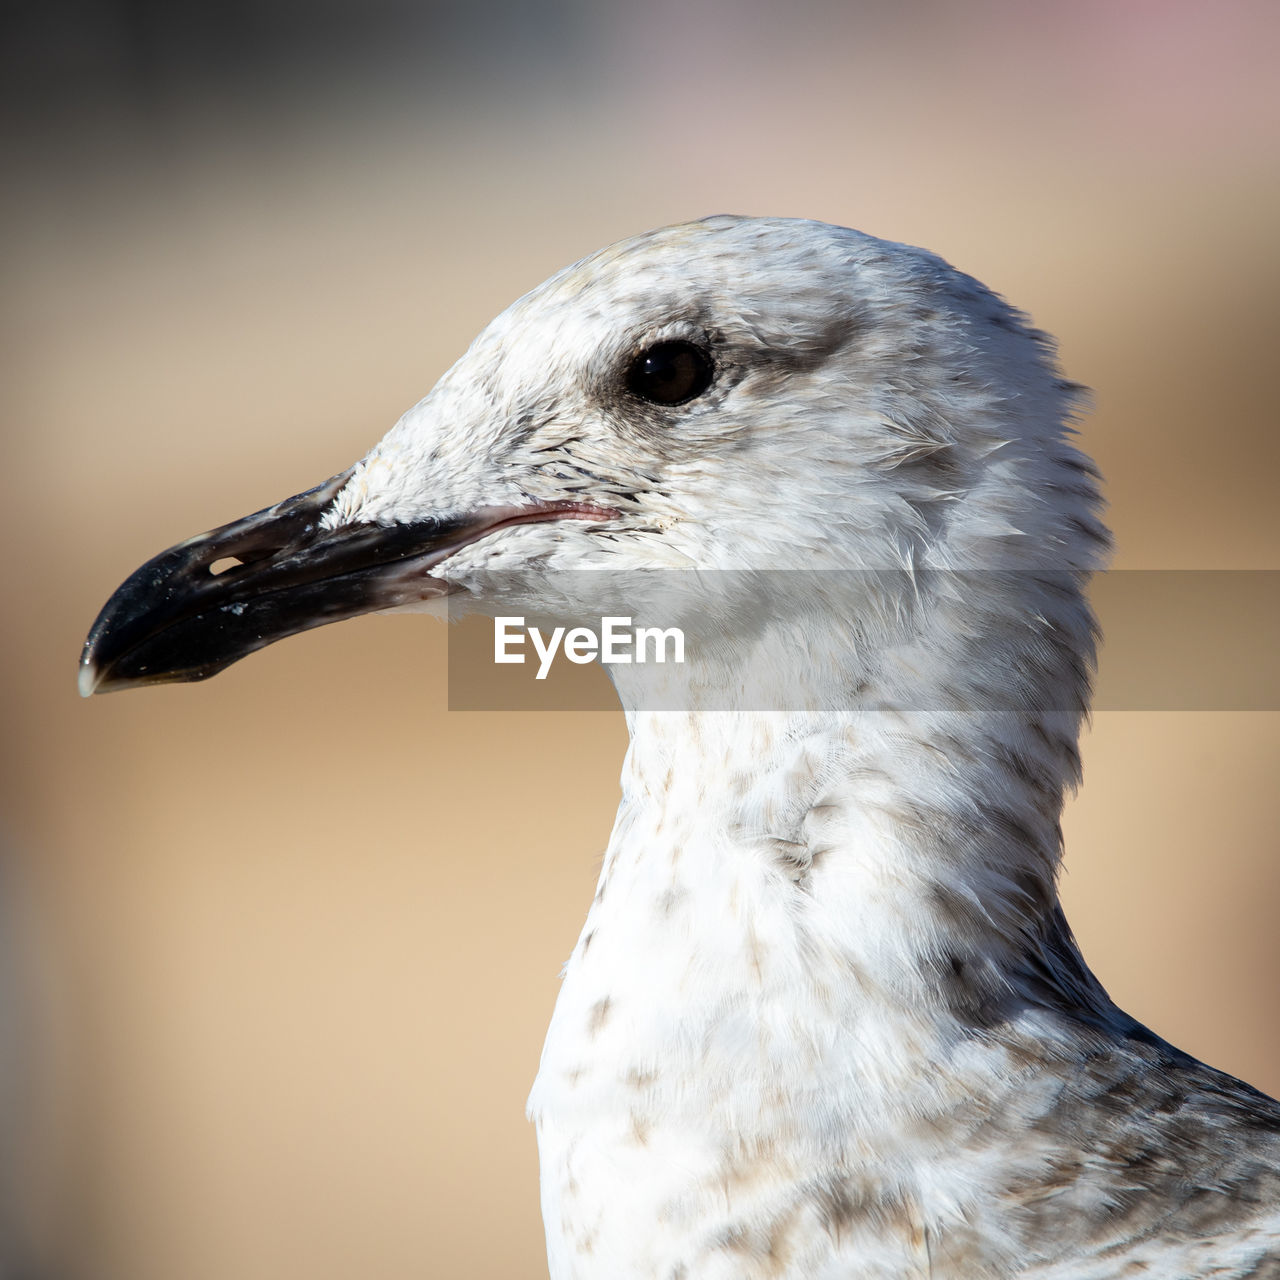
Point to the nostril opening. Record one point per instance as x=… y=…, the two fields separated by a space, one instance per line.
x=222 y=565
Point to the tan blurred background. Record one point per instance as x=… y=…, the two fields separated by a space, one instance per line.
x=281 y=948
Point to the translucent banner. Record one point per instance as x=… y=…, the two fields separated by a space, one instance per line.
x=991 y=640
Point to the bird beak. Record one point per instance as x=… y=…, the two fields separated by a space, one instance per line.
x=209 y=601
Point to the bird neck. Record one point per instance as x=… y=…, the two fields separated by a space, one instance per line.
x=902 y=792
x=865 y=882
x=918 y=850
x=833 y=900
x=816 y=915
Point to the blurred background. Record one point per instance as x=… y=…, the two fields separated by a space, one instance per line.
x=278 y=951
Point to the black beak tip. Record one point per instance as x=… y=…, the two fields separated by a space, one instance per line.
x=96 y=678
x=174 y=620
x=105 y=671
x=177 y=619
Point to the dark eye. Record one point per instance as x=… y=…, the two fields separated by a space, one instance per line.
x=670 y=373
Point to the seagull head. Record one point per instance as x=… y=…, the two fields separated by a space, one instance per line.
x=730 y=394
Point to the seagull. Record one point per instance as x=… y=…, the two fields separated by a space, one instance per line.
x=825 y=1019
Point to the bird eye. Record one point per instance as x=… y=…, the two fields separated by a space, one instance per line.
x=670 y=373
